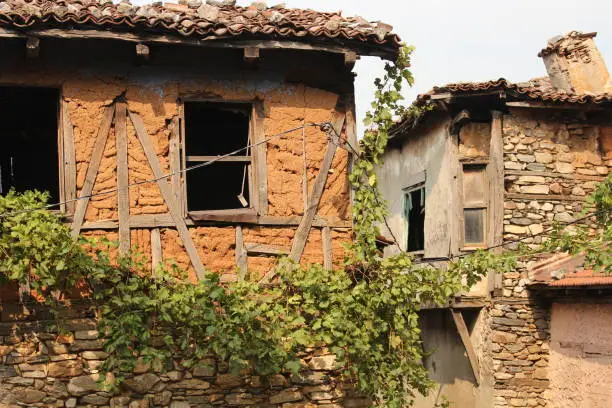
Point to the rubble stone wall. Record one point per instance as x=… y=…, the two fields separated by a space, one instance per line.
x=553 y=160
x=41 y=366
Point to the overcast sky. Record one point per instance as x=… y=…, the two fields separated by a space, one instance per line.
x=473 y=40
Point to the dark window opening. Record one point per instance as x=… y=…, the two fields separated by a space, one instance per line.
x=28 y=136
x=414 y=210
x=211 y=130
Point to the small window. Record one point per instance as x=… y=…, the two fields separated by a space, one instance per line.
x=414 y=213
x=29 y=139
x=212 y=130
x=475 y=187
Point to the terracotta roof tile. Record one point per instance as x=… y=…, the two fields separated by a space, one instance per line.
x=198 y=19
x=565 y=270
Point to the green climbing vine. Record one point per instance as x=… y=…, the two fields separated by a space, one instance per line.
x=366 y=314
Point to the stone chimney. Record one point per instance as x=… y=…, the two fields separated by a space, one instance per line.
x=575 y=65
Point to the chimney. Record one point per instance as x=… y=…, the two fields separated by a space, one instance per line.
x=575 y=65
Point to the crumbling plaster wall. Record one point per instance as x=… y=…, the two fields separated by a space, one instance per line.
x=152 y=92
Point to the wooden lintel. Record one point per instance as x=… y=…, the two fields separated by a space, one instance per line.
x=165 y=221
x=467 y=303
x=544 y=105
x=550 y=197
x=264 y=249
x=143 y=52
x=581 y=177
x=166 y=39
x=251 y=56
x=32 y=47
x=467 y=342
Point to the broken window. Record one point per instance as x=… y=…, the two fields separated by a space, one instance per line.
x=29 y=140
x=414 y=214
x=213 y=130
x=475 y=186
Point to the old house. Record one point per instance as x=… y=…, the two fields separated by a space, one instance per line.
x=491 y=163
x=200 y=133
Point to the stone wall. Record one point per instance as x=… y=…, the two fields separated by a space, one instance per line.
x=553 y=160
x=41 y=367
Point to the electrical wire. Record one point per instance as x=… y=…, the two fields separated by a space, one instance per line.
x=165 y=176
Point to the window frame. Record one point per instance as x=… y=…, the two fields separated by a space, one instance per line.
x=415 y=182
x=255 y=174
x=477 y=205
x=64 y=141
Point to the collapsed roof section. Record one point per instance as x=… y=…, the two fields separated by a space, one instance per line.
x=195 y=21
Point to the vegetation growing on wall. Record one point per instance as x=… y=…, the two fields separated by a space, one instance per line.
x=366 y=314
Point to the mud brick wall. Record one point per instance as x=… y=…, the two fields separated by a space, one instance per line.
x=43 y=368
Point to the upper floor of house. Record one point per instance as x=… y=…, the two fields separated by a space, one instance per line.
x=199 y=121
x=494 y=162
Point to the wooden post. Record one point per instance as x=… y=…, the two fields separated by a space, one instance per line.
x=495 y=174
x=156 y=249
x=143 y=52
x=69 y=157
x=328 y=255
x=92 y=169
x=241 y=255
x=123 y=197
x=166 y=191
x=174 y=158
x=251 y=57
x=260 y=157
x=467 y=342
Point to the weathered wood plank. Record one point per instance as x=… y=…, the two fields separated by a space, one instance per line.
x=260 y=152
x=544 y=197
x=92 y=169
x=581 y=177
x=495 y=173
x=164 y=187
x=328 y=255
x=303 y=230
x=241 y=255
x=165 y=221
x=244 y=159
x=122 y=177
x=174 y=159
x=69 y=158
x=265 y=249
x=467 y=342
x=233 y=216
x=163 y=39
x=156 y=249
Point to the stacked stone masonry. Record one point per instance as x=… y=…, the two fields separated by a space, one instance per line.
x=552 y=160
x=41 y=367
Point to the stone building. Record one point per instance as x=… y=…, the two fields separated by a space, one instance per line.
x=491 y=163
x=98 y=98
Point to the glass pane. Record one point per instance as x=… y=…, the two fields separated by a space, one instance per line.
x=474 y=225
x=474 y=185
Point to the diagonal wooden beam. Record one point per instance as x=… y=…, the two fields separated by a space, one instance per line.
x=303 y=230
x=166 y=191
x=92 y=169
x=467 y=342
x=123 y=196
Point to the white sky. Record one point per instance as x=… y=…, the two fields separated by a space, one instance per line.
x=473 y=40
